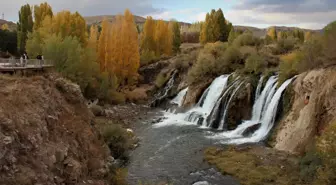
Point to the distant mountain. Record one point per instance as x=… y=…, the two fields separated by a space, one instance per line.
x=260 y=32
x=97 y=20
x=11 y=25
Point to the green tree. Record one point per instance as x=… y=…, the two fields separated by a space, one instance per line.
x=8 y=41
x=176 y=36
x=224 y=29
x=24 y=26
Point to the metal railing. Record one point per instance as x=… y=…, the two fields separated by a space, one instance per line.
x=22 y=63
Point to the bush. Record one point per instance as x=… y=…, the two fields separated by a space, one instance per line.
x=326 y=148
x=285 y=45
x=161 y=79
x=246 y=39
x=255 y=64
x=247 y=51
x=117 y=140
x=214 y=60
x=312 y=51
x=97 y=110
x=138 y=95
x=185 y=61
x=148 y=57
x=289 y=65
x=116 y=97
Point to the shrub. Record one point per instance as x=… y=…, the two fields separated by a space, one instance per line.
x=184 y=61
x=138 y=95
x=116 y=97
x=161 y=79
x=255 y=64
x=97 y=110
x=246 y=39
x=215 y=59
x=289 y=65
x=312 y=51
x=148 y=57
x=326 y=148
x=117 y=140
x=285 y=45
x=247 y=51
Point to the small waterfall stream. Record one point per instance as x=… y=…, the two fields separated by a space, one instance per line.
x=179 y=99
x=207 y=101
x=163 y=94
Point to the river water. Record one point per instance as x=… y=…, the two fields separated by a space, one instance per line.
x=173 y=154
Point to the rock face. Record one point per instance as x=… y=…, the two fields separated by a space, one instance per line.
x=308 y=118
x=47 y=135
x=241 y=107
x=195 y=92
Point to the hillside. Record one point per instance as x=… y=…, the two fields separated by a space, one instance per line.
x=11 y=25
x=99 y=18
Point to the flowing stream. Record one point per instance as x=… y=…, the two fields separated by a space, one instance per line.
x=171 y=150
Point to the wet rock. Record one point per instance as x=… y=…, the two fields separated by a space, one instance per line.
x=250 y=130
x=240 y=107
x=195 y=92
x=202 y=183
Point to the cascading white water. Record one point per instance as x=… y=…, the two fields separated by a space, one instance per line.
x=258 y=91
x=208 y=100
x=260 y=102
x=266 y=122
x=161 y=96
x=221 y=126
x=178 y=100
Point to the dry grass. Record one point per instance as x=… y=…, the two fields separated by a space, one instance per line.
x=255 y=166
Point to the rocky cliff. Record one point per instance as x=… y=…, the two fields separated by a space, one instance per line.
x=47 y=135
x=313 y=108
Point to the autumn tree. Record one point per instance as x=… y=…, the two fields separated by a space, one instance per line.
x=175 y=27
x=215 y=28
x=272 y=33
x=148 y=35
x=4 y=27
x=24 y=26
x=224 y=28
x=102 y=44
x=40 y=12
x=130 y=48
x=163 y=38
x=204 y=30
x=93 y=38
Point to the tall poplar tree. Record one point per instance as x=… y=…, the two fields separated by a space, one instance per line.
x=24 y=26
x=176 y=40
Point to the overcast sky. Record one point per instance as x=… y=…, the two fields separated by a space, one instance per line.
x=313 y=14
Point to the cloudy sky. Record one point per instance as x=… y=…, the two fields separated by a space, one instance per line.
x=313 y=14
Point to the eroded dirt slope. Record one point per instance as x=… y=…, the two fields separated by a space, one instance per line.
x=47 y=135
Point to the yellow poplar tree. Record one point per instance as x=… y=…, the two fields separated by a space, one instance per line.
x=163 y=38
x=130 y=47
x=102 y=44
x=40 y=12
x=148 y=34
x=4 y=27
x=93 y=39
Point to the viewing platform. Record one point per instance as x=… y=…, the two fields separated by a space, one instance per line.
x=22 y=65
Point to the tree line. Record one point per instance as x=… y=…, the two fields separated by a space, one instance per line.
x=102 y=60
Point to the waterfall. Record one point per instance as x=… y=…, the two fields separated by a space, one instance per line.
x=179 y=99
x=260 y=101
x=207 y=101
x=222 y=123
x=266 y=106
x=161 y=96
x=260 y=83
x=216 y=113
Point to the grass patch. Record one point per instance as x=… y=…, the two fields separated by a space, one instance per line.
x=255 y=166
